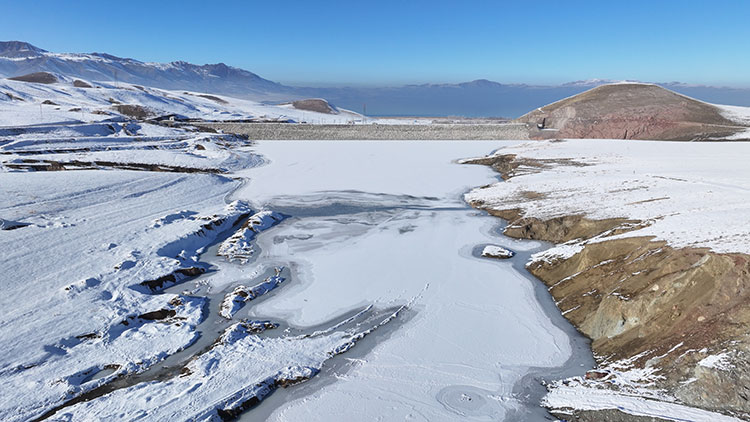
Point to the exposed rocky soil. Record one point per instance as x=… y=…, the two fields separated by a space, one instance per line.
x=50 y=165
x=133 y=110
x=605 y=415
x=629 y=111
x=666 y=308
x=37 y=77
x=81 y=84
x=213 y=98
x=315 y=104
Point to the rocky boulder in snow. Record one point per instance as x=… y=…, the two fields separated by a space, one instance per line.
x=317 y=105
x=37 y=77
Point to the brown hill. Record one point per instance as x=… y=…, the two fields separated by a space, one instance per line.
x=315 y=104
x=629 y=111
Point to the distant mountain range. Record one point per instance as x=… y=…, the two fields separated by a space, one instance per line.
x=480 y=98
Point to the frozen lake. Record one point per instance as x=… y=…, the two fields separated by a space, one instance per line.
x=336 y=281
x=385 y=224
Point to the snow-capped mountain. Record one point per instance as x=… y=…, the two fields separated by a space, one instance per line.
x=19 y=58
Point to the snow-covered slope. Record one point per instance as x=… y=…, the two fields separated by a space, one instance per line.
x=28 y=103
x=740 y=115
x=689 y=194
x=98 y=219
x=656 y=243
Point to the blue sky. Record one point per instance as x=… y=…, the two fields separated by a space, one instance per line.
x=396 y=42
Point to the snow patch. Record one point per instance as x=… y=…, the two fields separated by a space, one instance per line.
x=557 y=253
x=721 y=361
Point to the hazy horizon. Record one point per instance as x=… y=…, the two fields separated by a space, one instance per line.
x=365 y=85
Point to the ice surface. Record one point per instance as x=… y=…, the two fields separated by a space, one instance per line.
x=363 y=232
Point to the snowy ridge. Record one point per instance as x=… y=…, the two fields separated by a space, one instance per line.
x=19 y=58
x=687 y=194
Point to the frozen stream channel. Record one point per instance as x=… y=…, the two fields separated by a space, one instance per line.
x=384 y=223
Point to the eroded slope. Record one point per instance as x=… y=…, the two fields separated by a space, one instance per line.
x=652 y=265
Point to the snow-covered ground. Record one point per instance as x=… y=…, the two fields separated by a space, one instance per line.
x=376 y=237
x=740 y=115
x=688 y=194
x=736 y=113
x=307 y=248
x=70 y=278
x=23 y=103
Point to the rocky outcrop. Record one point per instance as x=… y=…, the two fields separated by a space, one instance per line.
x=81 y=84
x=134 y=111
x=317 y=105
x=680 y=315
x=239 y=247
x=629 y=111
x=37 y=77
